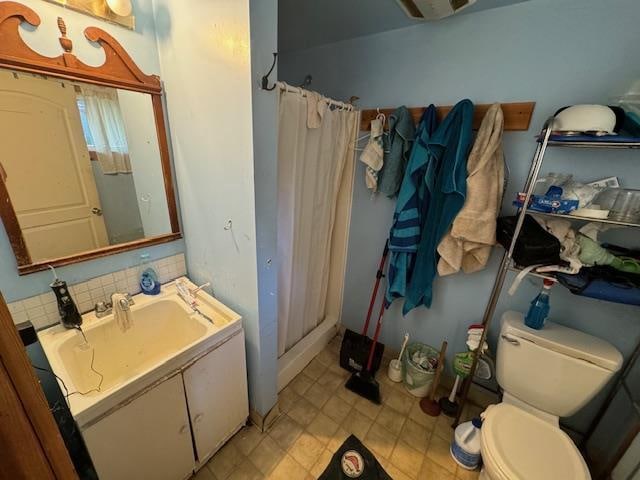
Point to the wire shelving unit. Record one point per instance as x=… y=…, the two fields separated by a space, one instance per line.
x=546 y=140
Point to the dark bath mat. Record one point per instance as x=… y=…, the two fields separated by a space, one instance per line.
x=354 y=460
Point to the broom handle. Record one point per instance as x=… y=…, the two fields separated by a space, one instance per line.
x=374 y=295
x=375 y=336
x=436 y=380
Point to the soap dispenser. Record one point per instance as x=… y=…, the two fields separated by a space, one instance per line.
x=69 y=315
x=149 y=283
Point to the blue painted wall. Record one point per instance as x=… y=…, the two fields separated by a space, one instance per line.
x=554 y=53
x=141 y=45
x=264 y=38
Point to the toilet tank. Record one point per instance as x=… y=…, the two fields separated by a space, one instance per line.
x=556 y=369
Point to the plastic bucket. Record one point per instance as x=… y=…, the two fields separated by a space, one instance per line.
x=417 y=379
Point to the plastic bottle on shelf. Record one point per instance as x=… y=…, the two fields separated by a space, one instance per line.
x=539 y=309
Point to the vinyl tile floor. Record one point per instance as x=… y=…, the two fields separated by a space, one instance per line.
x=318 y=414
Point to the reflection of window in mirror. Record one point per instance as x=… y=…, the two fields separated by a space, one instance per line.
x=104 y=129
x=82 y=164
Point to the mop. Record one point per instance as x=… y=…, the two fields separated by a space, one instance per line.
x=462 y=367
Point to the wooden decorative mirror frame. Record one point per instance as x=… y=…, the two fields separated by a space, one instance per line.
x=118 y=71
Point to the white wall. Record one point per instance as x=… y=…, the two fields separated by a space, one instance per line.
x=554 y=53
x=141 y=45
x=144 y=153
x=206 y=67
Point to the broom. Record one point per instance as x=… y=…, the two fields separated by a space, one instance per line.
x=355 y=347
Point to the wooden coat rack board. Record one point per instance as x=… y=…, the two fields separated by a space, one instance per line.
x=517 y=116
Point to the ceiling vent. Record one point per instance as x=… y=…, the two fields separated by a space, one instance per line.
x=433 y=9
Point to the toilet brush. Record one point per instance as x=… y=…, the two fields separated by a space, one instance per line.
x=461 y=366
x=428 y=404
x=395 y=365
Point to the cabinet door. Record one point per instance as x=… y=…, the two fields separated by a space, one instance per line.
x=216 y=387
x=148 y=438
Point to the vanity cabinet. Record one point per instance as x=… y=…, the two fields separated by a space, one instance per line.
x=216 y=392
x=146 y=438
x=170 y=430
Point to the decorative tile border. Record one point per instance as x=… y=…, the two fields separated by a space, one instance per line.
x=42 y=310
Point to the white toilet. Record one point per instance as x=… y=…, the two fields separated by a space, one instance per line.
x=545 y=374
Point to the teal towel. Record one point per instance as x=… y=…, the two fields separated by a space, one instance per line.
x=404 y=236
x=396 y=158
x=445 y=179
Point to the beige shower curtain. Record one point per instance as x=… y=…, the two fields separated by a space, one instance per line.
x=314 y=142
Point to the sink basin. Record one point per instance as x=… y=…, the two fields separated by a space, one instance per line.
x=112 y=365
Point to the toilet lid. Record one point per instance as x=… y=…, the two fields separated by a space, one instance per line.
x=525 y=447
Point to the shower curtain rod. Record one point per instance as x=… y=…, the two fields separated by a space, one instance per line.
x=336 y=103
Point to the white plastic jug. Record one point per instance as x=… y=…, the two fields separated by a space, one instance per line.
x=465 y=448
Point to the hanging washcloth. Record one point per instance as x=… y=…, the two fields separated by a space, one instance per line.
x=121 y=314
x=401 y=135
x=316 y=106
x=473 y=233
x=372 y=154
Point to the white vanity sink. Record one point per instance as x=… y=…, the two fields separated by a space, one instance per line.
x=139 y=368
x=160 y=330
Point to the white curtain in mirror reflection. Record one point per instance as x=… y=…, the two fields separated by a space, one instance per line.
x=104 y=128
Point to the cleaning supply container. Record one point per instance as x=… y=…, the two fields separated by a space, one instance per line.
x=465 y=448
x=539 y=309
x=419 y=368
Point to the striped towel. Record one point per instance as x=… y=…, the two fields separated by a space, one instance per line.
x=404 y=236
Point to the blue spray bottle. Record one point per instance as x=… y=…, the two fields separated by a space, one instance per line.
x=539 y=309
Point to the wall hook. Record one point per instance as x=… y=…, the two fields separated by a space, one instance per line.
x=306 y=82
x=229 y=224
x=265 y=78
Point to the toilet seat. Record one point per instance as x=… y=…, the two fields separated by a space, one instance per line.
x=517 y=445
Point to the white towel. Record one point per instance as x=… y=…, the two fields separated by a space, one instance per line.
x=123 y=318
x=473 y=233
x=373 y=154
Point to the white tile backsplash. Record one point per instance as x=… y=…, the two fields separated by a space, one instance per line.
x=42 y=310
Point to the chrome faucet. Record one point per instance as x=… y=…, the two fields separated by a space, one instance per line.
x=106 y=308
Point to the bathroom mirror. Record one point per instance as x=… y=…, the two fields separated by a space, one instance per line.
x=84 y=162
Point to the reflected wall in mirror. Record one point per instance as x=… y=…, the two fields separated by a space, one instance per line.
x=81 y=164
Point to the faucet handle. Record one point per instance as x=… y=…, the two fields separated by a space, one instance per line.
x=101 y=307
x=130 y=299
x=127 y=296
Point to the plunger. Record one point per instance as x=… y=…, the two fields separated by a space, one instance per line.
x=428 y=404
x=461 y=366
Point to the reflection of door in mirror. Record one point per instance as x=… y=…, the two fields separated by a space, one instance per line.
x=48 y=170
